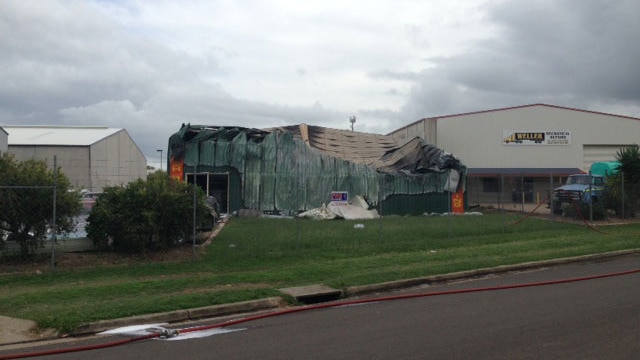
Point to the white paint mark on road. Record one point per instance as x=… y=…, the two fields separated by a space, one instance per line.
x=201 y=334
x=134 y=330
x=172 y=334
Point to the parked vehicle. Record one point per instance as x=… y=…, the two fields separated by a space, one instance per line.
x=578 y=188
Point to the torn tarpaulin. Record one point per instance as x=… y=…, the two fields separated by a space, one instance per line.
x=355 y=210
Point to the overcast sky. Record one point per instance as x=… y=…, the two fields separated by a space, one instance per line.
x=149 y=66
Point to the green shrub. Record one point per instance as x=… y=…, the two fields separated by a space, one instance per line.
x=581 y=211
x=155 y=214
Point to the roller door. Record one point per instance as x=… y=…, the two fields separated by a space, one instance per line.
x=596 y=153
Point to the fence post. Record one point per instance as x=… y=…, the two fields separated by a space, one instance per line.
x=193 y=236
x=53 y=222
x=501 y=201
x=551 y=204
x=381 y=185
x=478 y=184
x=622 y=192
x=296 y=219
x=448 y=193
x=590 y=197
x=522 y=192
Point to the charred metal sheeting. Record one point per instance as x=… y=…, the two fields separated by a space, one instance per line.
x=381 y=152
x=359 y=148
x=295 y=168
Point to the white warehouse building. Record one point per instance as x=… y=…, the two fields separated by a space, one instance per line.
x=90 y=157
x=518 y=154
x=4 y=142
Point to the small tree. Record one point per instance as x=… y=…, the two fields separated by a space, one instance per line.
x=155 y=214
x=628 y=175
x=26 y=203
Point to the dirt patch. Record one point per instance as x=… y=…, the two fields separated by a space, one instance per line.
x=572 y=220
x=42 y=264
x=544 y=213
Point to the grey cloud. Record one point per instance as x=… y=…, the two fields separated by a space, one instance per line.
x=79 y=68
x=393 y=75
x=591 y=45
x=417 y=36
x=571 y=53
x=64 y=62
x=77 y=58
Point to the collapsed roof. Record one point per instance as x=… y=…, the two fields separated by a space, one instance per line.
x=382 y=152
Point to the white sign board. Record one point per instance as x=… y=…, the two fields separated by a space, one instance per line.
x=545 y=137
x=339 y=197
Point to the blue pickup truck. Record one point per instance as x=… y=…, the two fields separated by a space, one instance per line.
x=583 y=188
x=579 y=188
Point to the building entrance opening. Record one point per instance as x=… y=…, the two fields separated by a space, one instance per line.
x=213 y=184
x=522 y=190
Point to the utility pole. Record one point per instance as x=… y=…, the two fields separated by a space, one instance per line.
x=352 y=120
x=160 y=151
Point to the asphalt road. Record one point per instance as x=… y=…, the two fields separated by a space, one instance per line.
x=594 y=319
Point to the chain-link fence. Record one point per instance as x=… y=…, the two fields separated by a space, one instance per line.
x=579 y=195
x=26 y=220
x=30 y=229
x=29 y=212
x=292 y=193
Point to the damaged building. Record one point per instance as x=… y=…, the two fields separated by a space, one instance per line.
x=288 y=170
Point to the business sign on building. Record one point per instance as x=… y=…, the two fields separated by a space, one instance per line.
x=549 y=137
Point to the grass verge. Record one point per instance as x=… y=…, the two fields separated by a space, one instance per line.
x=252 y=258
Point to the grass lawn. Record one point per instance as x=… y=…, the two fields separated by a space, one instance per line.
x=252 y=258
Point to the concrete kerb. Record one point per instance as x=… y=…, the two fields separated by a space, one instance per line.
x=182 y=315
x=436 y=279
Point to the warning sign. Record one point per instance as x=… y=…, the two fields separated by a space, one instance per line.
x=339 y=197
x=176 y=170
x=457 y=202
